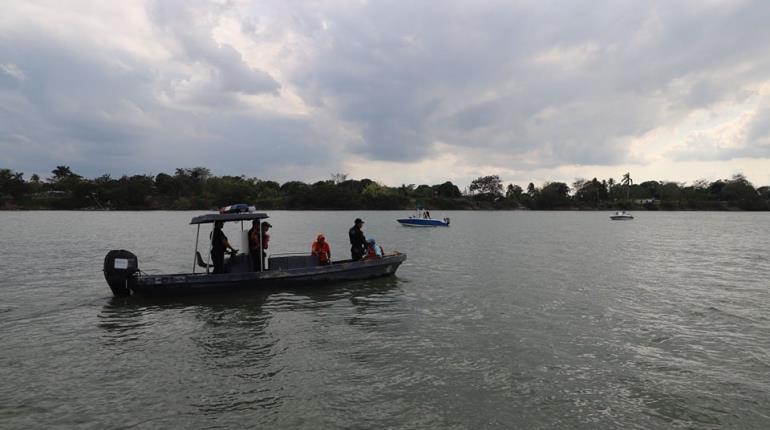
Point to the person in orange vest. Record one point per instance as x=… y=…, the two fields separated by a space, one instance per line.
x=256 y=262
x=321 y=248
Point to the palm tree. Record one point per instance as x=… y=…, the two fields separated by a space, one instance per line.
x=627 y=181
x=610 y=184
x=61 y=172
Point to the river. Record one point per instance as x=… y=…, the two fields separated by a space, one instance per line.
x=503 y=320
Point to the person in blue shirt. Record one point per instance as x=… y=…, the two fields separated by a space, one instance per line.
x=373 y=250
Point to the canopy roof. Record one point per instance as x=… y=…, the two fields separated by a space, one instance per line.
x=242 y=216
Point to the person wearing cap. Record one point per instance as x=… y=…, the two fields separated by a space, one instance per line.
x=358 y=242
x=219 y=244
x=265 y=237
x=373 y=250
x=256 y=261
x=321 y=248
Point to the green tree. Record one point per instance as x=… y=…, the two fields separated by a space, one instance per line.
x=626 y=182
x=424 y=191
x=531 y=190
x=406 y=190
x=226 y=190
x=447 y=190
x=590 y=192
x=513 y=191
x=62 y=172
x=610 y=184
x=553 y=195
x=741 y=193
x=671 y=194
x=12 y=186
x=338 y=178
x=133 y=192
x=491 y=185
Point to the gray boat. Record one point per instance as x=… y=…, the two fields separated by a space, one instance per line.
x=121 y=269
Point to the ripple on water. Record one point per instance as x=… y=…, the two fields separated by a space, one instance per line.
x=506 y=320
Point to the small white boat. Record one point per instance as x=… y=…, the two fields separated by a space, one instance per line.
x=621 y=216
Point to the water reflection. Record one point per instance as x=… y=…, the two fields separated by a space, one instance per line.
x=268 y=345
x=121 y=319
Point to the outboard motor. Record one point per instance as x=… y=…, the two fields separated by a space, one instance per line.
x=119 y=266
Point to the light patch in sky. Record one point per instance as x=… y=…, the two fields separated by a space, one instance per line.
x=396 y=92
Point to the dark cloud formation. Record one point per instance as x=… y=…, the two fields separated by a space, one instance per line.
x=229 y=72
x=71 y=101
x=562 y=83
x=278 y=89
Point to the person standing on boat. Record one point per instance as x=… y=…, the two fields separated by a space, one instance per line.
x=254 y=245
x=321 y=248
x=219 y=244
x=358 y=242
x=256 y=262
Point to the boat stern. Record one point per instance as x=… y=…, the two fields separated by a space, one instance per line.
x=120 y=269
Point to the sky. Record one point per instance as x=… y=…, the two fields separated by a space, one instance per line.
x=397 y=91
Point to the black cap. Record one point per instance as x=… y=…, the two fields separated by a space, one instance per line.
x=358 y=221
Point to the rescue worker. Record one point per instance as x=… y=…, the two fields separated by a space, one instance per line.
x=254 y=245
x=219 y=244
x=256 y=261
x=373 y=250
x=321 y=248
x=357 y=240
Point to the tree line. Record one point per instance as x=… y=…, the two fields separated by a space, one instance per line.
x=197 y=188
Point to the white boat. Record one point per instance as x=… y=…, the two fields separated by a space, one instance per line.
x=422 y=219
x=621 y=216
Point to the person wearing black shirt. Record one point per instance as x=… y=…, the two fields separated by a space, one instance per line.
x=219 y=245
x=357 y=240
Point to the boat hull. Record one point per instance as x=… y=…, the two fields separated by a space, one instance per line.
x=421 y=222
x=190 y=284
x=621 y=217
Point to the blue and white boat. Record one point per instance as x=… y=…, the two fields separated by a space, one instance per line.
x=422 y=219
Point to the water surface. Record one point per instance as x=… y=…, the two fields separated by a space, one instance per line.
x=503 y=320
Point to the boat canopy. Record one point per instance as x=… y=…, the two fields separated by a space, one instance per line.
x=242 y=216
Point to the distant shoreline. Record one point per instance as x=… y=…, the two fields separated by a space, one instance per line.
x=196 y=188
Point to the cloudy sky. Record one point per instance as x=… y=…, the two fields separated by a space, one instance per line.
x=397 y=91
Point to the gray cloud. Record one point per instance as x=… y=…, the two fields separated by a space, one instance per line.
x=230 y=71
x=109 y=111
x=576 y=78
x=519 y=86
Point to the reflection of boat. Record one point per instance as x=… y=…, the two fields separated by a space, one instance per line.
x=621 y=216
x=121 y=269
x=422 y=219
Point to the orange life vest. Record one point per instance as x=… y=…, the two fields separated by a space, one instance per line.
x=322 y=250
